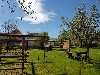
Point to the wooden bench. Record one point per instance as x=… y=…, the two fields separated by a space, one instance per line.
x=81 y=55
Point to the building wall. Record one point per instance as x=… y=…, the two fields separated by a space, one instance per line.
x=31 y=43
x=51 y=43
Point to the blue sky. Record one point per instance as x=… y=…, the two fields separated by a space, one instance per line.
x=48 y=14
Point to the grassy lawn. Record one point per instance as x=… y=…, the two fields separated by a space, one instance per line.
x=58 y=63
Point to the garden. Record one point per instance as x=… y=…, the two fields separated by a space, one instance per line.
x=74 y=51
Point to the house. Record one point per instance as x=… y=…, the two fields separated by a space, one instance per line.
x=52 y=41
x=16 y=31
x=32 y=41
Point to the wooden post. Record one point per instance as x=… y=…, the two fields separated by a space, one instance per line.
x=0 y=50
x=33 y=71
x=44 y=56
x=26 y=45
x=23 y=49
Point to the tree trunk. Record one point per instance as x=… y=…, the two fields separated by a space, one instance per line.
x=81 y=44
x=69 y=45
x=88 y=53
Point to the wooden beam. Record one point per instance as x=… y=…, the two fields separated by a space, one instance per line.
x=14 y=56
x=12 y=62
x=16 y=52
x=15 y=40
x=16 y=35
x=10 y=68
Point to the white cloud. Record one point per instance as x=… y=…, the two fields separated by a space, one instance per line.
x=40 y=15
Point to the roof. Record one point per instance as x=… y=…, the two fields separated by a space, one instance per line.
x=53 y=39
x=47 y=45
x=16 y=31
x=33 y=33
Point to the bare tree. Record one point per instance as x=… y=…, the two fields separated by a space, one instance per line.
x=7 y=28
x=11 y=5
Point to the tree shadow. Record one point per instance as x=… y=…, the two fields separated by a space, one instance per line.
x=96 y=64
x=48 y=62
x=64 y=74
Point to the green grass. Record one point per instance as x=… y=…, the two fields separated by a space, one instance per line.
x=94 y=52
x=58 y=63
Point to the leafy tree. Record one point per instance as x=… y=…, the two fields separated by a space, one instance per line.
x=63 y=35
x=84 y=26
x=67 y=35
x=43 y=40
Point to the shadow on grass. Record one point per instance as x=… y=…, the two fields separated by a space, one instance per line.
x=48 y=62
x=96 y=63
x=54 y=49
x=27 y=74
x=73 y=47
x=64 y=74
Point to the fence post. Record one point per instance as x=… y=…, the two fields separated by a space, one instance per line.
x=0 y=50
x=33 y=71
x=23 y=49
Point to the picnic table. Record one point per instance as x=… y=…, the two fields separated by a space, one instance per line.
x=81 y=55
x=78 y=56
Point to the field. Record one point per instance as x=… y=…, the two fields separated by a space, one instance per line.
x=57 y=62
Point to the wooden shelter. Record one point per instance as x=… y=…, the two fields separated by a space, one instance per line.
x=23 y=55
